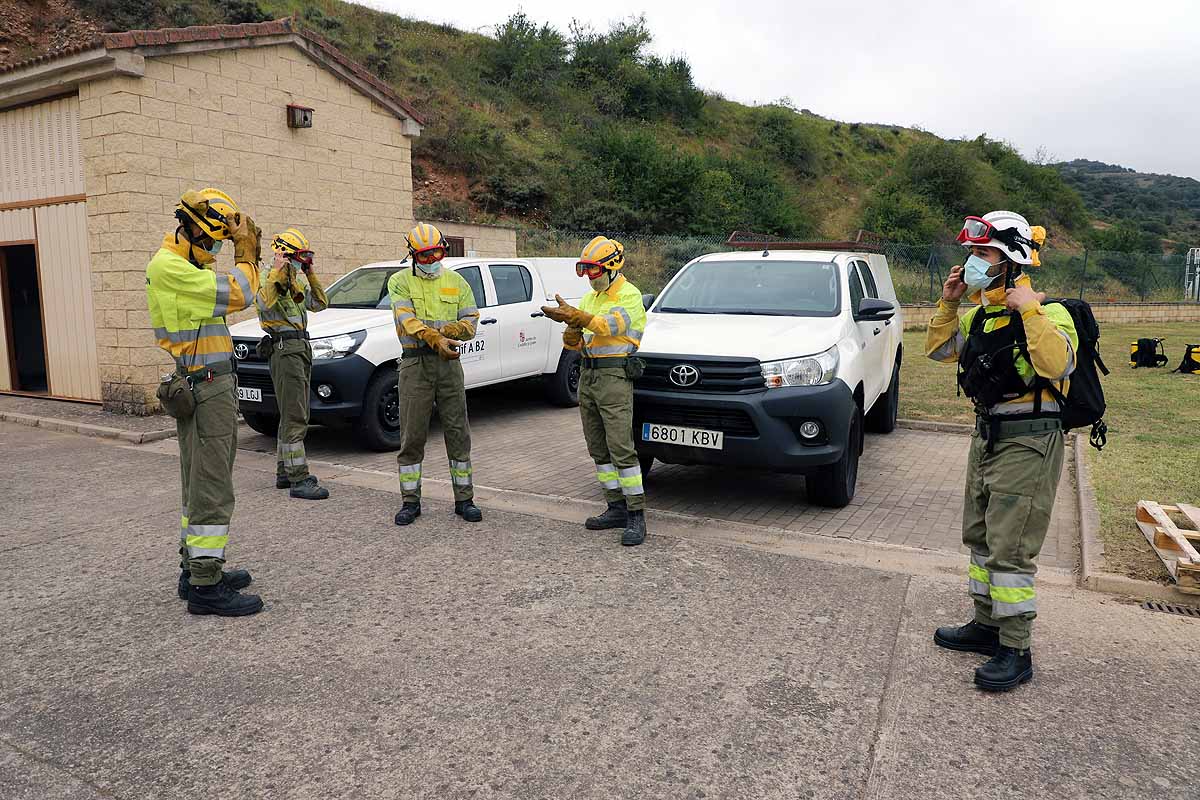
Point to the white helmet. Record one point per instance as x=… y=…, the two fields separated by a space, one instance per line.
x=1007 y=231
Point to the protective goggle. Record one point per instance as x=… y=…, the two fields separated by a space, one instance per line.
x=430 y=255
x=305 y=257
x=977 y=230
x=592 y=269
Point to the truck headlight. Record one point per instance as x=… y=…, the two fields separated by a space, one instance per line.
x=807 y=371
x=340 y=346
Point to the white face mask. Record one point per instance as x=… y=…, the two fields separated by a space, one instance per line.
x=602 y=283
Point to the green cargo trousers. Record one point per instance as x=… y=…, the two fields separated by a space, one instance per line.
x=1006 y=513
x=423 y=381
x=291 y=371
x=207 y=448
x=606 y=407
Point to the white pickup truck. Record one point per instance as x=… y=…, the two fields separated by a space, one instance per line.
x=355 y=346
x=771 y=360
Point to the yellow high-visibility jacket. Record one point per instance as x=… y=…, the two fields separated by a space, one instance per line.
x=444 y=303
x=617 y=324
x=283 y=302
x=188 y=305
x=1049 y=333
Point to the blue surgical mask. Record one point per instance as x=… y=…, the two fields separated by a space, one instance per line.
x=430 y=269
x=975 y=273
x=216 y=246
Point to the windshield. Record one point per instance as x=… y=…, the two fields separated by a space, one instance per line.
x=770 y=288
x=363 y=288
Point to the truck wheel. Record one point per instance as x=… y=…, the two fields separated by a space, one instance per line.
x=266 y=424
x=562 y=386
x=834 y=485
x=882 y=417
x=379 y=426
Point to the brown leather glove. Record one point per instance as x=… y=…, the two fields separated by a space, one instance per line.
x=565 y=312
x=440 y=344
x=572 y=337
x=460 y=330
x=247 y=242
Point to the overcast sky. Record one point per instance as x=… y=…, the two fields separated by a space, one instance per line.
x=1114 y=82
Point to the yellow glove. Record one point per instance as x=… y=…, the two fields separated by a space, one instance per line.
x=572 y=337
x=565 y=312
x=440 y=344
x=247 y=242
x=460 y=330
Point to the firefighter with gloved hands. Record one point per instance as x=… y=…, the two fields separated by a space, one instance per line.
x=434 y=309
x=607 y=328
x=1015 y=357
x=188 y=301
x=283 y=302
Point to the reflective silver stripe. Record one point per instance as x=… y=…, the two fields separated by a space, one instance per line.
x=402 y=316
x=607 y=475
x=460 y=473
x=1012 y=580
x=293 y=454
x=243 y=283
x=950 y=348
x=630 y=480
x=403 y=304
x=612 y=349
x=617 y=314
x=1070 y=358
x=1000 y=609
x=221 y=306
x=209 y=530
x=1002 y=581
x=182 y=337
x=977 y=588
x=191 y=360
x=162 y=333
x=634 y=333
x=410 y=476
x=410 y=341
x=206 y=552
x=467 y=312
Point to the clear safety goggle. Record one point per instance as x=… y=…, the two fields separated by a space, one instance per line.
x=976 y=230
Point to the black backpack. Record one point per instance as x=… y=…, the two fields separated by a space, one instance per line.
x=1147 y=353
x=1191 y=360
x=1084 y=404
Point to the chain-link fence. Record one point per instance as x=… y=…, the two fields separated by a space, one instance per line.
x=917 y=270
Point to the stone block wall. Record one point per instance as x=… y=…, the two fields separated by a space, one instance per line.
x=219 y=119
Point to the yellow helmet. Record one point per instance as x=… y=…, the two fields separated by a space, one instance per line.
x=424 y=237
x=293 y=244
x=213 y=211
x=601 y=252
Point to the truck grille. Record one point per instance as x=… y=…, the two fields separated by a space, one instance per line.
x=256 y=380
x=717 y=375
x=731 y=421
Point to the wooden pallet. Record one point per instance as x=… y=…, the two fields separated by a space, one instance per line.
x=1175 y=546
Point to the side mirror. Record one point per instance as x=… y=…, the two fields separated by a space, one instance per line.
x=872 y=310
x=648 y=300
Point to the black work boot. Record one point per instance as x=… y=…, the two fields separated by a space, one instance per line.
x=635 y=529
x=408 y=513
x=615 y=516
x=468 y=510
x=1006 y=670
x=972 y=637
x=281 y=478
x=308 y=489
x=219 y=599
x=235 y=579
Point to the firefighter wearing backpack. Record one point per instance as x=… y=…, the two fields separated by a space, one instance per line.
x=1015 y=356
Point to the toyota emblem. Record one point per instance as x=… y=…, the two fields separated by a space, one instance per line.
x=684 y=375
x=241 y=351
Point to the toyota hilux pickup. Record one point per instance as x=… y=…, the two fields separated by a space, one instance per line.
x=771 y=360
x=355 y=347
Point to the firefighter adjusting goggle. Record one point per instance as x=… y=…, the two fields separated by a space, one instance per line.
x=977 y=230
x=594 y=269
x=305 y=257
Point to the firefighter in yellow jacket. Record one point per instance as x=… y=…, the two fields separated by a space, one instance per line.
x=283 y=303
x=434 y=309
x=607 y=327
x=1015 y=356
x=188 y=302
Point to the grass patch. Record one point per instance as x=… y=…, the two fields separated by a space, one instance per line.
x=1152 y=450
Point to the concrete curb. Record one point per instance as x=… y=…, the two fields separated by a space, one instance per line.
x=1091 y=547
x=85 y=428
x=935 y=427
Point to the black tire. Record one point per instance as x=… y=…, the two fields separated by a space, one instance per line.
x=379 y=426
x=646 y=463
x=834 y=485
x=562 y=386
x=882 y=417
x=266 y=424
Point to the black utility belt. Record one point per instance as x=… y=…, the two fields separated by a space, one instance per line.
x=613 y=362
x=283 y=336
x=996 y=426
x=208 y=373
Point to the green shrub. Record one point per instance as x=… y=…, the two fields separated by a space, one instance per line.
x=525 y=57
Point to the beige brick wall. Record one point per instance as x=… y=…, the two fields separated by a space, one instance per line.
x=218 y=119
x=486 y=241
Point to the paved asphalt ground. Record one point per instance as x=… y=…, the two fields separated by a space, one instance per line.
x=524 y=657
